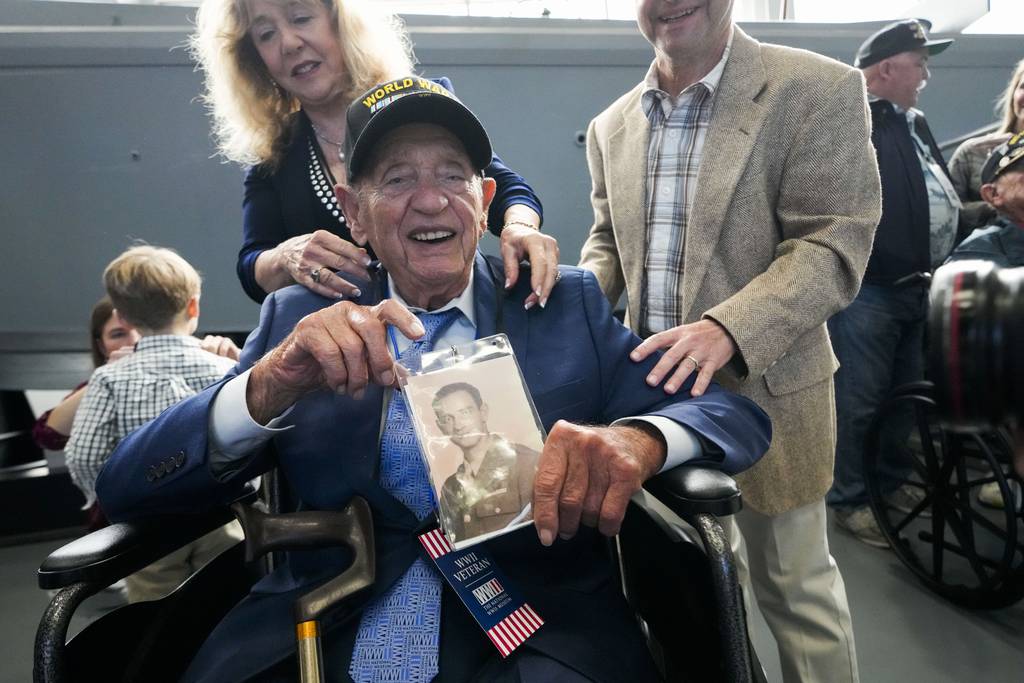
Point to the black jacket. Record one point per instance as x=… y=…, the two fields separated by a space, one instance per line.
x=901 y=244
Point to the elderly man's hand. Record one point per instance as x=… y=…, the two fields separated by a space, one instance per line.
x=704 y=346
x=587 y=474
x=342 y=348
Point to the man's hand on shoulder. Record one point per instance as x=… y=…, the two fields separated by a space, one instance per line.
x=342 y=348
x=588 y=474
x=704 y=346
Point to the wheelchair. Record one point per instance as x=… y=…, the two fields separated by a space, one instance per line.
x=676 y=569
x=968 y=554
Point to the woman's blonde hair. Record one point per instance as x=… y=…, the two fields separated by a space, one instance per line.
x=252 y=115
x=1004 y=105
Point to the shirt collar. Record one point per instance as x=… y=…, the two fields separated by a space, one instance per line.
x=157 y=340
x=910 y=114
x=652 y=89
x=463 y=302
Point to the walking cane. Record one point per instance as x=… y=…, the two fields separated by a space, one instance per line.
x=351 y=527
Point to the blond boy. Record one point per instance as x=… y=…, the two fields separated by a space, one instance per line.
x=156 y=291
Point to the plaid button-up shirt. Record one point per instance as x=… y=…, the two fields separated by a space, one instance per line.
x=126 y=394
x=674 y=152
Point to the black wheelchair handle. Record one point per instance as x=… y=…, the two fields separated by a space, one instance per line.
x=688 y=490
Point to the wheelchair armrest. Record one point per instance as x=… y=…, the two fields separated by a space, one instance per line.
x=689 y=490
x=113 y=552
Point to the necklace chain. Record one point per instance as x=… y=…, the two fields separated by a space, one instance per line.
x=320 y=134
x=339 y=145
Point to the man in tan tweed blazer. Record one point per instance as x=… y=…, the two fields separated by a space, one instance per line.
x=771 y=237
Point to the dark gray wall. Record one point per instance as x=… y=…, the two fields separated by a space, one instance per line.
x=102 y=141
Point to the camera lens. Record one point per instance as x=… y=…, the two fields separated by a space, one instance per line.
x=976 y=341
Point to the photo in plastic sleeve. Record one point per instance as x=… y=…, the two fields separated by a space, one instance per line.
x=481 y=440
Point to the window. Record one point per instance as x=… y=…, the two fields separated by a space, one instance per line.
x=948 y=16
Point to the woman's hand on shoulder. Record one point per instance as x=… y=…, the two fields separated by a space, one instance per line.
x=310 y=260
x=222 y=346
x=520 y=241
x=123 y=352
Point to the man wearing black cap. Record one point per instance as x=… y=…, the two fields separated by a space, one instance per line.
x=1002 y=179
x=314 y=394
x=879 y=337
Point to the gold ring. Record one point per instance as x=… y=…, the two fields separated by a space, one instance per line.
x=696 y=363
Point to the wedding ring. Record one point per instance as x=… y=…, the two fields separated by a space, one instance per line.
x=558 y=275
x=314 y=274
x=696 y=363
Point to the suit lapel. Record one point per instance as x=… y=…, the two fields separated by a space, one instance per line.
x=514 y=319
x=485 y=301
x=627 y=164
x=736 y=120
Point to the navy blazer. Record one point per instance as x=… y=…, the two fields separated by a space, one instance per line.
x=574 y=357
x=280 y=203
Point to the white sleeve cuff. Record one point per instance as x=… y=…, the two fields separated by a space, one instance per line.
x=233 y=432
x=682 y=445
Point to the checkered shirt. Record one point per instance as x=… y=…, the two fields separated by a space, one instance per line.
x=127 y=393
x=674 y=152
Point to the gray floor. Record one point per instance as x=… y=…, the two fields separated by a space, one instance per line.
x=904 y=634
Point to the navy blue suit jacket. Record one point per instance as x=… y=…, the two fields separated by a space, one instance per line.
x=574 y=356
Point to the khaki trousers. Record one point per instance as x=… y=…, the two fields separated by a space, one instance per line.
x=785 y=558
x=163 y=576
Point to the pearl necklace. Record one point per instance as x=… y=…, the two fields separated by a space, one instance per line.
x=320 y=179
x=339 y=145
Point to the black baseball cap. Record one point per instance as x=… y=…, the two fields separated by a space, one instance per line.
x=1003 y=158
x=401 y=101
x=901 y=36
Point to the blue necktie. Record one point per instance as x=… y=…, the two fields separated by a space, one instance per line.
x=399 y=633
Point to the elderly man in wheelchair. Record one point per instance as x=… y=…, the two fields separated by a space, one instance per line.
x=314 y=395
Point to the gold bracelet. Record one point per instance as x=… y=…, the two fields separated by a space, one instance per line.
x=522 y=223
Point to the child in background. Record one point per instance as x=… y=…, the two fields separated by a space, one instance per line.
x=157 y=292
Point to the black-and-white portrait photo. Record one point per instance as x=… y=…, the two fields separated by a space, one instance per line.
x=481 y=441
x=493 y=484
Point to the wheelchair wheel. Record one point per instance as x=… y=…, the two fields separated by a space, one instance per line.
x=969 y=554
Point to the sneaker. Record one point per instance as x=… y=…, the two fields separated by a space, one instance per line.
x=908 y=497
x=990 y=496
x=862 y=524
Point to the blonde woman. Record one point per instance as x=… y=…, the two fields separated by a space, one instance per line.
x=965 y=166
x=279 y=77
